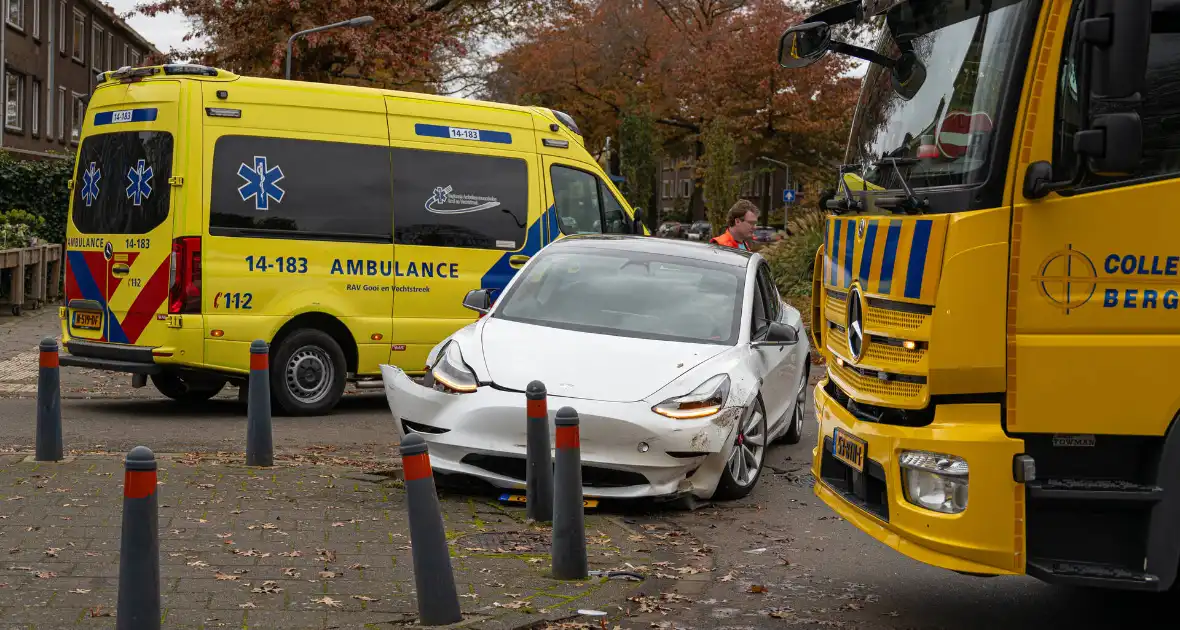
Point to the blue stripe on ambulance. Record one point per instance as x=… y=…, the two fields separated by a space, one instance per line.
x=498 y=276
x=145 y=114
x=90 y=291
x=442 y=131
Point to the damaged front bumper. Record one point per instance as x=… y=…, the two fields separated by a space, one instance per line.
x=628 y=451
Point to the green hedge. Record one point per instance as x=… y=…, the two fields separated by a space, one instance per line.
x=40 y=187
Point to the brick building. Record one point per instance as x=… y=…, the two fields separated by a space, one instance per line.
x=53 y=51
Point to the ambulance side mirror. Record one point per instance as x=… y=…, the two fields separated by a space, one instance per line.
x=637 y=222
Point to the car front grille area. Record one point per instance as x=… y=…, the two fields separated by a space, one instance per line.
x=867 y=490
x=592 y=476
x=877 y=414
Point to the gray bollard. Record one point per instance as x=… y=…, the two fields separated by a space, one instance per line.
x=259 y=441
x=569 y=529
x=139 y=551
x=438 y=601
x=539 y=471
x=49 y=440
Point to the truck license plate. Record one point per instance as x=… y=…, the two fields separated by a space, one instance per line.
x=849 y=449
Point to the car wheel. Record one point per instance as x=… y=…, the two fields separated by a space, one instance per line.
x=795 y=431
x=187 y=390
x=743 y=465
x=307 y=375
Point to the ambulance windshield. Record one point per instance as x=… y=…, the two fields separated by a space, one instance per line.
x=944 y=135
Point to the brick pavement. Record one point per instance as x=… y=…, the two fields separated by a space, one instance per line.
x=298 y=546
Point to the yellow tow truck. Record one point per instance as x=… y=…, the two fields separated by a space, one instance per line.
x=998 y=292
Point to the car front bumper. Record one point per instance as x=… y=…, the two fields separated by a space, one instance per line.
x=483 y=434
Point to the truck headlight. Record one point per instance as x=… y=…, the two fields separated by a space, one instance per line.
x=935 y=481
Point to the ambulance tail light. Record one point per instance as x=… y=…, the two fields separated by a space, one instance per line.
x=184 y=276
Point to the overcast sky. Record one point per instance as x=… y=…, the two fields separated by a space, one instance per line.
x=165 y=31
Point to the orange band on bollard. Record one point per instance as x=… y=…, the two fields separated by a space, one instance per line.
x=139 y=484
x=568 y=437
x=49 y=359
x=258 y=361
x=416 y=467
x=536 y=409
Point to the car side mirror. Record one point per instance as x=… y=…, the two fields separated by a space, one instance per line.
x=478 y=300
x=779 y=334
x=804 y=44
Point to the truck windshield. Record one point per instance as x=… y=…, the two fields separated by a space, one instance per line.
x=942 y=135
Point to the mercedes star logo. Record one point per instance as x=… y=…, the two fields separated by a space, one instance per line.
x=856 y=333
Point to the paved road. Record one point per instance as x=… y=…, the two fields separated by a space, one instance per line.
x=815 y=568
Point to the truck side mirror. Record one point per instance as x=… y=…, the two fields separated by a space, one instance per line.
x=1113 y=144
x=637 y=222
x=1118 y=33
x=804 y=44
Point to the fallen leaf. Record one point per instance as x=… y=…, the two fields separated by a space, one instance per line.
x=221 y=576
x=511 y=605
x=290 y=572
x=290 y=554
x=268 y=587
x=45 y=575
x=327 y=555
x=52 y=552
x=225 y=535
x=198 y=563
x=325 y=574
x=758 y=588
x=100 y=611
x=358 y=567
x=247 y=605
x=728 y=577
x=205 y=486
x=365 y=598
x=80 y=591
x=327 y=601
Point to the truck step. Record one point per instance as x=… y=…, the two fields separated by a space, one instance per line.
x=1091 y=574
x=1093 y=490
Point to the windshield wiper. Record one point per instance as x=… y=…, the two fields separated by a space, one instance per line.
x=908 y=203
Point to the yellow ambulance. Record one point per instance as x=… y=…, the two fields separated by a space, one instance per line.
x=344 y=226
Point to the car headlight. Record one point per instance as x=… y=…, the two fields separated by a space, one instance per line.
x=935 y=481
x=452 y=373
x=704 y=401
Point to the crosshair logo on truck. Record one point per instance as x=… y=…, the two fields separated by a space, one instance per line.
x=1069 y=279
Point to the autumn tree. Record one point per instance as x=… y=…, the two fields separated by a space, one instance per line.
x=721 y=184
x=688 y=62
x=412 y=44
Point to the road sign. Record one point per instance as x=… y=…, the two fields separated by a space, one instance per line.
x=788 y=196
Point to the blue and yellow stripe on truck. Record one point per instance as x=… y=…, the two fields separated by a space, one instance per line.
x=896 y=258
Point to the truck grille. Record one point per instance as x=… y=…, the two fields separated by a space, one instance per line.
x=902 y=393
x=880 y=353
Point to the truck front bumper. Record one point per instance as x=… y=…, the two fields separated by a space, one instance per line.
x=985 y=538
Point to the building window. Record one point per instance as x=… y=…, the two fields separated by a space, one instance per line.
x=135 y=59
x=14 y=101
x=61 y=26
x=79 y=49
x=667 y=189
x=16 y=13
x=79 y=117
x=35 y=112
x=61 y=113
x=685 y=188
x=126 y=60
x=37 y=19
x=96 y=47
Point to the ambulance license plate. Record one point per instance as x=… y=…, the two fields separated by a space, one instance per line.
x=88 y=320
x=849 y=449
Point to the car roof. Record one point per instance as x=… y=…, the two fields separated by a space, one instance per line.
x=658 y=246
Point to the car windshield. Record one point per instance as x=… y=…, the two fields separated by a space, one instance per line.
x=970 y=51
x=629 y=294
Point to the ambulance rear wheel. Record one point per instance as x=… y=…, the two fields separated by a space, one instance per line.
x=307 y=374
x=187 y=390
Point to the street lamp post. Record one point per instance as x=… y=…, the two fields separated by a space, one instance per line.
x=356 y=21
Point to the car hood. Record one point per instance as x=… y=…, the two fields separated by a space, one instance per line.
x=583 y=365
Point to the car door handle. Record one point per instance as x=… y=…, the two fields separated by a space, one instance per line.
x=518 y=261
x=121 y=269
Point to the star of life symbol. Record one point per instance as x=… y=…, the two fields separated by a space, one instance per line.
x=261 y=183
x=90 y=184
x=140 y=187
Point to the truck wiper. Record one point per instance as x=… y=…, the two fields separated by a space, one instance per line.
x=848 y=203
x=908 y=203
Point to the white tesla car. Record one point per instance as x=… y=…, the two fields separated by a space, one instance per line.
x=680 y=358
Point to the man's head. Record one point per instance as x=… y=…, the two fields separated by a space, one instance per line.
x=743 y=218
